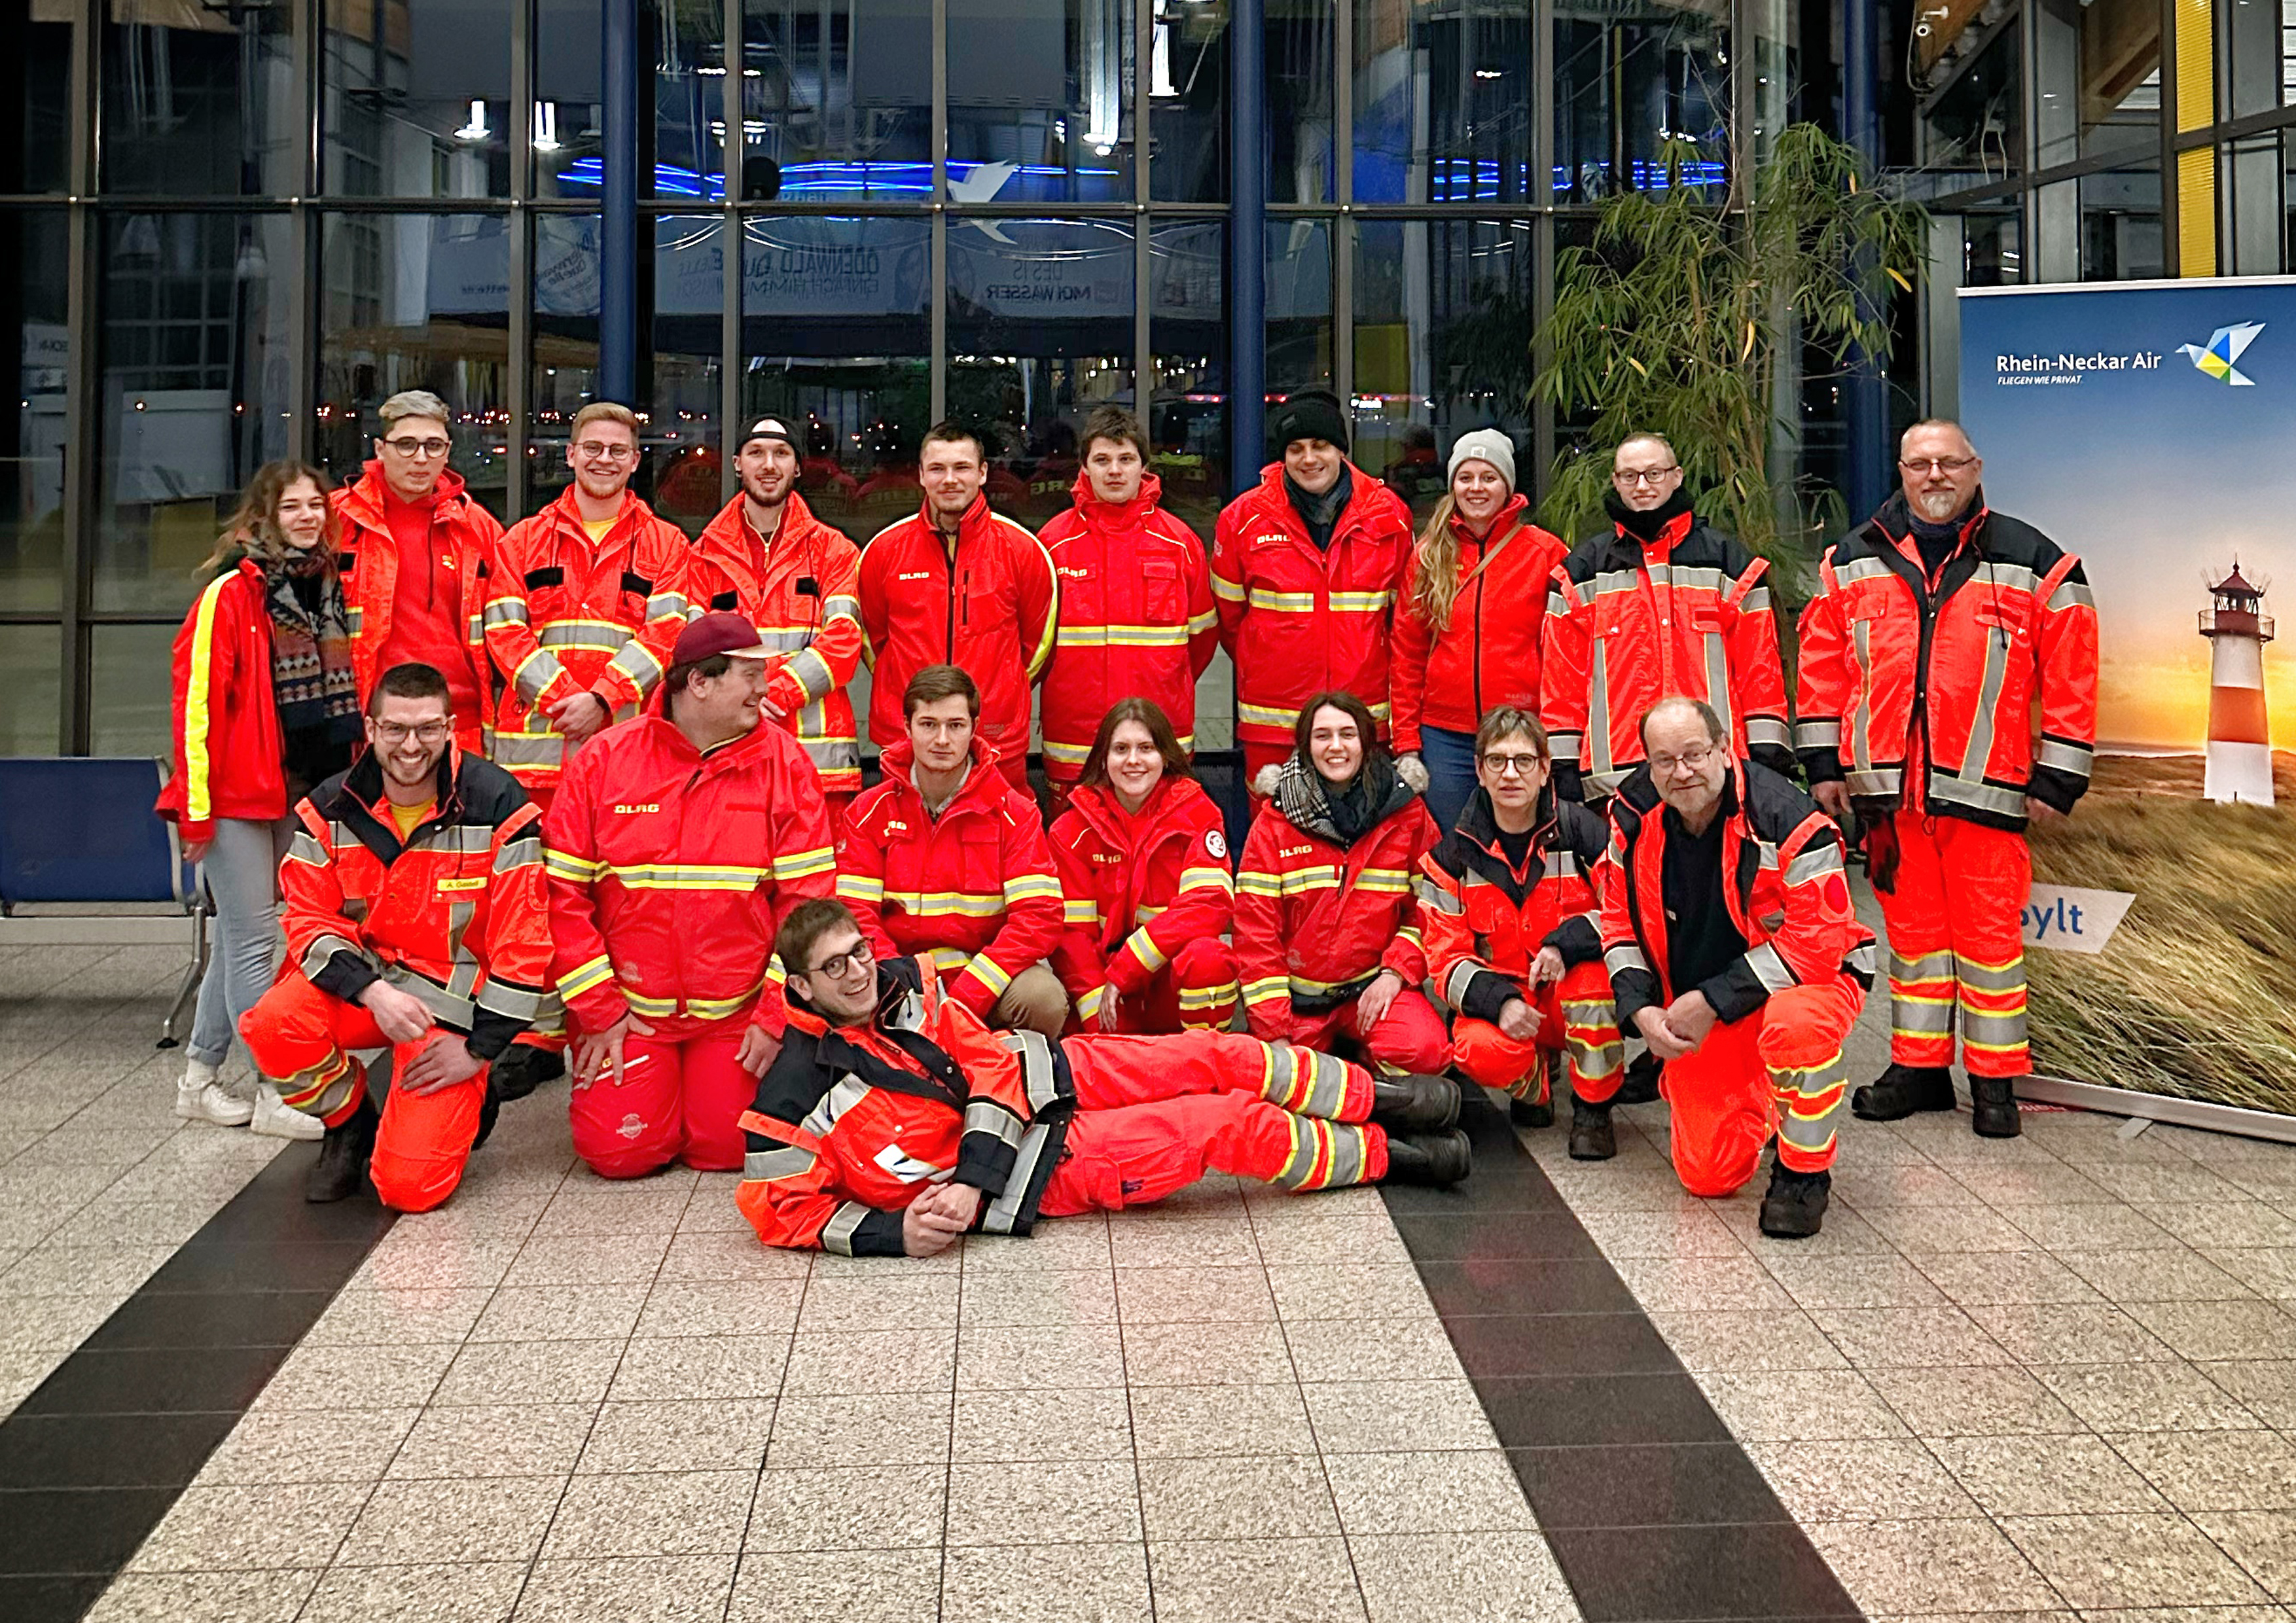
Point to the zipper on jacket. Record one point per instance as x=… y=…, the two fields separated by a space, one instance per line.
x=1475 y=654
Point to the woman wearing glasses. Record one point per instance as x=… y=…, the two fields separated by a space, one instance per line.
x=1468 y=627
x=415 y=542
x=266 y=706
x=1513 y=930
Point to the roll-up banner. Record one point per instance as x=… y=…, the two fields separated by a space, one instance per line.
x=2151 y=428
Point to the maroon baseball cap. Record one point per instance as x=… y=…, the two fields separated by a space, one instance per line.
x=716 y=633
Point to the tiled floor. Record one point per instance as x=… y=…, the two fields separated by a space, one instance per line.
x=2049 y=1379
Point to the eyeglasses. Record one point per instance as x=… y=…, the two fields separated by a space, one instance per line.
x=1941 y=465
x=1666 y=765
x=597 y=451
x=424 y=449
x=390 y=732
x=1521 y=766
x=862 y=954
x=1643 y=476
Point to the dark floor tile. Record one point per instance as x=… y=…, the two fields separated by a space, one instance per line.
x=1526 y=1284
x=1666 y=1485
x=1557 y=1411
x=1767 y=1571
x=66 y=1530
x=154 y=1380
x=1478 y=1235
x=258 y=1265
x=267 y=1318
x=1559 y=1344
x=48 y=1599
x=108 y=1450
x=1476 y=1194
x=273 y=1208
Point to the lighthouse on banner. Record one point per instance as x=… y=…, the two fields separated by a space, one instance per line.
x=2239 y=745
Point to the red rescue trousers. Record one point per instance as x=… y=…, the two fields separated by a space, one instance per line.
x=1576 y=1019
x=1956 y=928
x=1410 y=1036
x=1155 y=1113
x=1195 y=992
x=1780 y=1069
x=679 y=1100
x=303 y=1040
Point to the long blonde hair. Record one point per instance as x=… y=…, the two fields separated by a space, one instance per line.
x=253 y=526
x=1435 y=592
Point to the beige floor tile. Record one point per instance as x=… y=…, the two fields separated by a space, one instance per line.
x=1458 y=1491
x=587 y=1260
x=586 y=1204
x=396 y=1316
x=2267 y=1271
x=1941 y=1566
x=1872 y=1476
x=656 y=1589
x=1460 y=1577
x=1252 y=1353
x=1086 y=1424
x=923 y=1302
x=477 y=1519
x=2263 y=1542
x=1370 y=1349
x=2094 y=1227
x=1908 y=1338
x=383 y=1377
x=2220 y=1330
x=204 y=1597
x=837 y=1586
x=1056 y=1245
x=1747 y=1340
x=652 y=1512
x=2159 y=1185
x=870 y=1507
x=463 y=1592
x=672 y=1368
x=723 y=1255
x=878 y=1428
x=1350 y=1291
x=1975 y=1279
x=1064 y=1297
x=2114 y=1561
x=2266 y=1386
x=1799 y=1405
x=560 y=1313
x=1396 y=1416
x=1946 y=1228
x=1186 y=1420
x=233 y=1528
x=1693 y=1233
x=1866 y=1188
x=1070 y=1582
x=1038 y=1358
x=1816 y=1283
x=402 y=1262
x=1298 y=1235
x=1150 y=1239
x=2236 y=1224
x=310 y=1446
x=531 y=1372
x=1702 y=1284
x=2154 y=1276
x=1271 y=1496
x=1193 y=1296
x=716 y=1434
x=2045 y=1183
x=2069 y=1333
x=2046 y=1476
x=1076 y=1502
x=2216 y=1470
x=1997 y=1401
x=2169 y=1397
x=539 y=1440
x=695 y=1308
x=870 y=1361
x=1270 y=1581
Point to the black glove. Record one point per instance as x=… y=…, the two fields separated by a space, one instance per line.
x=1880 y=835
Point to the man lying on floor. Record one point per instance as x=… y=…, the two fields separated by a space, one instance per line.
x=895 y=1121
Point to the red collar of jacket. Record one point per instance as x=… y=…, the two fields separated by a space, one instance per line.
x=670 y=737
x=1669 y=534
x=365 y=498
x=1275 y=504
x=1895 y=524
x=975 y=522
x=1116 y=516
x=1502 y=521
x=1164 y=812
x=564 y=516
x=358 y=801
x=728 y=543
x=983 y=791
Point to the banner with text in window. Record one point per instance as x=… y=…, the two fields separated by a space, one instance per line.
x=2151 y=428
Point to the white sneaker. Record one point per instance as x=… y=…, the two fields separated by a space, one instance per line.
x=275 y=1117
x=200 y=1097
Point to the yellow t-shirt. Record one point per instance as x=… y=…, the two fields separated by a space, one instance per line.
x=597 y=529
x=410 y=818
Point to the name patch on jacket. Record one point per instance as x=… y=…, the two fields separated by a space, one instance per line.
x=479 y=883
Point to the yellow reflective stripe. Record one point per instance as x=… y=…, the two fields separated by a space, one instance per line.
x=1087 y=913
x=1266 y=715
x=565 y=864
x=1025 y=887
x=1123 y=636
x=949 y=960
x=1265 y=991
x=1302 y=880
x=1282 y=602
x=1217 y=878
x=929 y=904
x=860 y=888
x=681 y=876
x=1393 y=882
x=1362 y=603
x=1200 y=624
x=1141 y=946
x=1070 y=754
x=719 y=1008
x=656 y=1008
x=584 y=977
x=987 y=971
x=1087 y=1007
x=796 y=865
x=199 y=799
x=536 y=673
x=1223 y=587
x=1252 y=882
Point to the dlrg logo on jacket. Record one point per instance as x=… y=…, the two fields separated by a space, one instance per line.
x=626 y=810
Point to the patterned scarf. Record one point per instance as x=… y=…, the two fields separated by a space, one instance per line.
x=311 y=679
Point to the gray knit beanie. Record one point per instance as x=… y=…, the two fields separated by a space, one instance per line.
x=1484 y=445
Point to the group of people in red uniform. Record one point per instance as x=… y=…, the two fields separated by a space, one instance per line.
x=596 y=793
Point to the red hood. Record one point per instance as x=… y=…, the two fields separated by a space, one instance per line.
x=1098 y=807
x=363 y=498
x=725 y=530
x=1110 y=515
x=897 y=761
x=1502 y=521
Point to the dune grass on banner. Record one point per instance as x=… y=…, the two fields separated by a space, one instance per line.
x=2196 y=994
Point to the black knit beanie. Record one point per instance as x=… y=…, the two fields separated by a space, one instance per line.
x=1312 y=414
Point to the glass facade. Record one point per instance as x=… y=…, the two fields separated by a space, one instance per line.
x=859 y=216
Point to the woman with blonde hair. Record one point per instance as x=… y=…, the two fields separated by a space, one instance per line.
x=1468 y=627
x=265 y=708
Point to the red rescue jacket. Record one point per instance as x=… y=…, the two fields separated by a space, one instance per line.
x=230 y=756
x=1490 y=653
x=850 y=1120
x=565 y=614
x=1783 y=885
x=670 y=871
x=1317 y=920
x=1946 y=675
x=1298 y=621
x=1483 y=921
x=802 y=593
x=973 y=890
x=990 y=610
x=1136 y=889
x=368 y=555
x=1135 y=620
x=458 y=915
x=1631 y=623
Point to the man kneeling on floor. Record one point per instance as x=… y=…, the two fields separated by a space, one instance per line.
x=894 y=1121
x=417 y=922
x=1734 y=949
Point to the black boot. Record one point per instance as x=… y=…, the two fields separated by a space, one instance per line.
x=1591 y=1138
x=1532 y=1113
x=1435 y=1159
x=523 y=1068
x=1796 y=1202
x=342 y=1166
x=1639 y=1086
x=1901 y=1090
x=490 y=1107
x=1993 y=1102
x=1412 y=1103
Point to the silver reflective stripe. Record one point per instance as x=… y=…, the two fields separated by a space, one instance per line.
x=1817 y=736
x=1922 y=1016
x=1860 y=959
x=1003 y=1213
x=1992 y=1030
x=636 y=661
x=462 y=839
x=1346 y=1158
x=1884 y=781
x=1718 y=680
x=986 y=1115
x=511 y=1002
x=1861 y=724
x=524 y=851
x=1435 y=898
x=1982 y=797
x=536 y=676
x=1462 y=975
x=2009 y=976
x=1981 y=725
x=810 y=671
x=525 y=748
x=663 y=605
x=1811 y=1130
x=2075 y=758
x=837 y=1233
x=505 y=611
x=441 y=1002
x=1859 y=569
x=1562 y=865
x=323 y=948
x=1768 y=858
x=843 y=1096
x=1765 y=730
x=1607 y=782
x=1756 y=602
x=1617 y=960
x=2071 y=592
x=788 y=1161
x=1598 y=715
x=832 y=756
x=1929 y=966
x=1769 y=967
x=305 y=849
x=1036 y=1066
x=1809 y=865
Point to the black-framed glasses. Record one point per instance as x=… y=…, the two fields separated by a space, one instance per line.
x=1521 y=766
x=1666 y=765
x=1942 y=465
x=391 y=732
x=861 y=954
x=426 y=449
x=1644 y=476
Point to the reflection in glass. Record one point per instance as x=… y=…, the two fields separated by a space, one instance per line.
x=1187 y=330
x=32 y=451
x=1442 y=345
x=836 y=100
x=1298 y=305
x=194 y=99
x=684 y=463
x=565 y=349
x=31 y=673
x=569 y=81
x=1039 y=333
x=39 y=39
x=1298 y=53
x=1040 y=99
x=1628 y=78
x=416 y=301
x=2120 y=223
x=1992 y=250
x=1187 y=102
x=415 y=99
x=194 y=351
x=1443 y=101
x=835 y=327
x=1976 y=121
x=128 y=696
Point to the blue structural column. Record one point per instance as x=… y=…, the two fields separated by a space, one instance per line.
x=1866 y=403
x=1247 y=245
x=618 y=234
